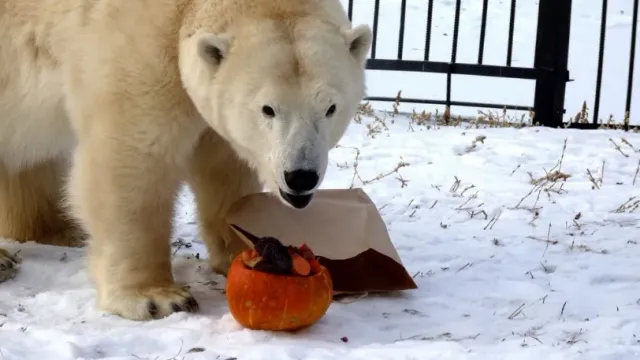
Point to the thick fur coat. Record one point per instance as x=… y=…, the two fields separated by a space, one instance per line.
x=106 y=107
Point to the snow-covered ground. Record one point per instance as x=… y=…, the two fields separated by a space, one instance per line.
x=509 y=264
x=583 y=53
x=554 y=276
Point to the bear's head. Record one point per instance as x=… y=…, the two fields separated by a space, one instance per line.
x=281 y=92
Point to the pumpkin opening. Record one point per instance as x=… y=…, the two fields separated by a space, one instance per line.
x=271 y=256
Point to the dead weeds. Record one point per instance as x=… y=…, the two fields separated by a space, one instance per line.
x=484 y=118
x=551 y=182
x=356 y=174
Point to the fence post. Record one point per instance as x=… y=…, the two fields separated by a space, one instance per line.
x=551 y=61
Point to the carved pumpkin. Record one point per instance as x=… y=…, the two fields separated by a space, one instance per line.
x=261 y=300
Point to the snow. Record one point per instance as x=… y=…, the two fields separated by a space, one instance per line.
x=545 y=288
x=549 y=286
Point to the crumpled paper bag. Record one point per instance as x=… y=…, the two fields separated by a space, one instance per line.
x=341 y=226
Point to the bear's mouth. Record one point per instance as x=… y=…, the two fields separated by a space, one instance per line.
x=297 y=201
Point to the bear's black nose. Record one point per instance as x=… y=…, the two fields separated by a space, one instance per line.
x=301 y=181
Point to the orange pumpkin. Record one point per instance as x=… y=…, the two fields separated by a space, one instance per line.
x=264 y=301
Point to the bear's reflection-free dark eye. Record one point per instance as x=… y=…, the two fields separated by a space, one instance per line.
x=332 y=109
x=268 y=111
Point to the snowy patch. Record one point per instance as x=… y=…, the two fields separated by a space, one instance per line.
x=522 y=249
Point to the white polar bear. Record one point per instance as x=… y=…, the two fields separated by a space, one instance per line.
x=128 y=99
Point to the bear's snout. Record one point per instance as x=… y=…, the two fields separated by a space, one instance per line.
x=301 y=181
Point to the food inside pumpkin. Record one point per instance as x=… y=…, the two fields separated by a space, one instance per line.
x=261 y=298
x=270 y=255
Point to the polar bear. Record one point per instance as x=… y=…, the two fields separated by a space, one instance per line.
x=107 y=107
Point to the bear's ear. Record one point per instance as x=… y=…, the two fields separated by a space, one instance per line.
x=359 y=41
x=213 y=48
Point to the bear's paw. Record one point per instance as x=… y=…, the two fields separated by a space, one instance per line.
x=149 y=303
x=9 y=265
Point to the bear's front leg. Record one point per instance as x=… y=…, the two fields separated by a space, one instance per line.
x=123 y=184
x=218 y=178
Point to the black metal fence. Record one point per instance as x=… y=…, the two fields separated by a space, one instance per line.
x=550 y=69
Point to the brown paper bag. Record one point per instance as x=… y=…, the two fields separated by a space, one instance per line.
x=341 y=226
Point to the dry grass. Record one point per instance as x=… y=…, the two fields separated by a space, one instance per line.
x=433 y=121
x=519 y=311
x=356 y=174
x=548 y=241
x=474 y=144
x=627 y=143
x=483 y=119
x=532 y=333
x=629 y=206
x=574 y=337
x=472 y=206
x=582 y=117
x=596 y=183
x=551 y=182
x=447 y=336
x=617 y=147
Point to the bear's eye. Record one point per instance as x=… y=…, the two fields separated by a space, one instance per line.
x=268 y=111
x=331 y=110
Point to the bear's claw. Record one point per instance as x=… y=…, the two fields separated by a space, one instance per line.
x=9 y=265
x=150 y=303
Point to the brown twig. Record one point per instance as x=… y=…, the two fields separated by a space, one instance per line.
x=456 y=185
x=548 y=240
x=516 y=312
x=626 y=142
x=618 y=148
x=493 y=220
x=562 y=310
x=381 y=176
x=593 y=180
x=628 y=206
x=547 y=182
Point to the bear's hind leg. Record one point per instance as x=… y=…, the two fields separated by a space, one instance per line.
x=31 y=206
x=218 y=178
x=31 y=210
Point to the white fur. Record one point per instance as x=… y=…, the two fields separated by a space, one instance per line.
x=300 y=136
x=142 y=95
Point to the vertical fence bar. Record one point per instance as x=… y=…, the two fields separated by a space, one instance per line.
x=376 y=16
x=427 y=40
x=483 y=31
x=551 y=61
x=603 y=29
x=350 y=10
x=512 y=20
x=454 y=50
x=632 y=58
x=456 y=30
x=403 y=14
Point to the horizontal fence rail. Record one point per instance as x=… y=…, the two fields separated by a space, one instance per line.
x=550 y=70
